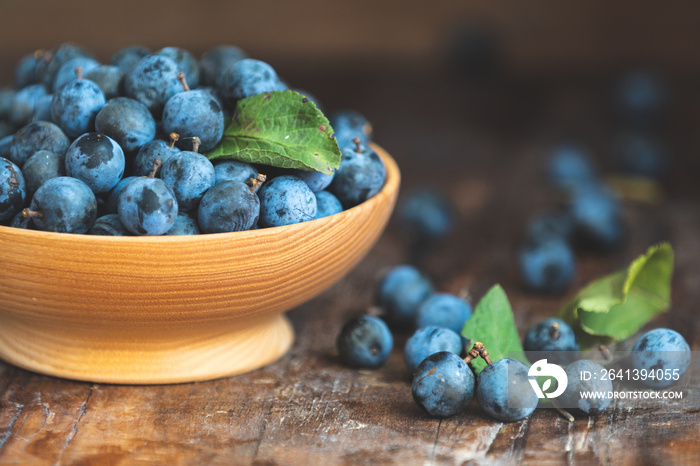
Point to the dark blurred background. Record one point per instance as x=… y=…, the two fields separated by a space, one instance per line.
x=539 y=37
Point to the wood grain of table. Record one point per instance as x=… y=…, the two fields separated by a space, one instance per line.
x=486 y=150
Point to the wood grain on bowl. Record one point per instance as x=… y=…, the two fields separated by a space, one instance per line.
x=172 y=308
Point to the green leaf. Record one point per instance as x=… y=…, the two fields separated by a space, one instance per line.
x=492 y=324
x=283 y=129
x=616 y=306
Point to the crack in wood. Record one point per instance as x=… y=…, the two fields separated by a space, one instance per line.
x=262 y=430
x=435 y=441
x=20 y=408
x=569 y=443
x=523 y=433
x=74 y=430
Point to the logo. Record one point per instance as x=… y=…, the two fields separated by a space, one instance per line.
x=542 y=369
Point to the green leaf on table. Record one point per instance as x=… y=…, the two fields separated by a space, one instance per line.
x=616 y=306
x=282 y=129
x=493 y=325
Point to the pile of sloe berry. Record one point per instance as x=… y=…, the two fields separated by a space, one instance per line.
x=593 y=217
x=591 y=221
x=436 y=354
x=113 y=149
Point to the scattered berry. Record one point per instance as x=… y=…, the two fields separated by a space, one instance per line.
x=365 y=342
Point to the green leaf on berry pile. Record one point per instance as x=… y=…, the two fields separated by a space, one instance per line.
x=616 y=306
x=493 y=325
x=282 y=129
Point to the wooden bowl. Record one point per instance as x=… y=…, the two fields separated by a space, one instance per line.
x=150 y=310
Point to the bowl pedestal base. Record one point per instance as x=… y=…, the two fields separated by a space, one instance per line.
x=81 y=355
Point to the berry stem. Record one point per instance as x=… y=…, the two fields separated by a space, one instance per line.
x=79 y=72
x=156 y=165
x=554 y=331
x=183 y=81
x=565 y=414
x=358 y=144
x=195 y=144
x=483 y=353
x=173 y=139
x=255 y=183
x=473 y=353
x=28 y=213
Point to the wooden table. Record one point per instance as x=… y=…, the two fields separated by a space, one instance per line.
x=483 y=145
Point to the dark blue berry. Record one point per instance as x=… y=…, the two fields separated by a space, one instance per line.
x=41 y=167
x=36 y=136
x=25 y=102
x=555 y=337
x=108 y=225
x=327 y=204
x=504 y=391
x=194 y=113
x=360 y=176
x=444 y=310
x=58 y=57
x=66 y=72
x=427 y=216
x=112 y=200
x=147 y=206
x=152 y=151
x=97 y=160
x=569 y=165
x=641 y=96
x=184 y=225
x=63 y=205
x=215 y=60
x=365 y=342
x=663 y=352
x=246 y=78
x=233 y=170
x=443 y=384
x=7 y=95
x=348 y=125
x=125 y=59
x=153 y=81
x=286 y=200
x=190 y=175
x=109 y=78
x=127 y=121
x=430 y=340
x=548 y=267
x=576 y=385
x=5 y=144
x=75 y=106
x=185 y=62
x=13 y=191
x=42 y=109
x=20 y=221
x=597 y=217
x=27 y=70
x=317 y=181
x=229 y=206
x=401 y=293
x=549 y=225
